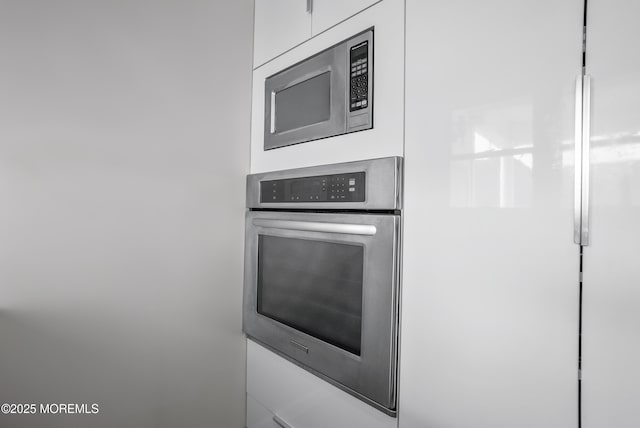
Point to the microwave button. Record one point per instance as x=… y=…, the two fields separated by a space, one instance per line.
x=364 y=103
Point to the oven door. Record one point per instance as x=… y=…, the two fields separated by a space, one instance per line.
x=307 y=101
x=322 y=290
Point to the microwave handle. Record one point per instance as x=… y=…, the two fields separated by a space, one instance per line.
x=311 y=226
x=273 y=112
x=309 y=6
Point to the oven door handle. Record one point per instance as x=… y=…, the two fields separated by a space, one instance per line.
x=312 y=226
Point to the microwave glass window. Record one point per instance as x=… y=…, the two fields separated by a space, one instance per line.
x=313 y=286
x=303 y=104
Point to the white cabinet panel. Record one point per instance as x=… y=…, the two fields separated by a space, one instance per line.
x=327 y=13
x=259 y=416
x=611 y=284
x=490 y=281
x=300 y=398
x=279 y=25
x=386 y=137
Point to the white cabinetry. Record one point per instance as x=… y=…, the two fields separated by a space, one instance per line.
x=279 y=26
x=277 y=387
x=259 y=416
x=490 y=281
x=327 y=13
x=611 y=284
x=283 y=24
x=491 y=274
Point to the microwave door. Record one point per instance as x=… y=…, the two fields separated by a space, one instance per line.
x=307 y=101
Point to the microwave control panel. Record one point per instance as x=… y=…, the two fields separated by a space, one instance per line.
x=348 y=187
x=359 y=69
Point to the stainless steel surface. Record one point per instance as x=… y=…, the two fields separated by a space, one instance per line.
x=383 y=185
x=344 y=229
x=370 y=376
x=577 y=163
x=334 y=60
x=278 y=420
x=586 y=137
x=299 y=345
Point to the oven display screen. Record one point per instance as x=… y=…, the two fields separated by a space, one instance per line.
x=314 y=287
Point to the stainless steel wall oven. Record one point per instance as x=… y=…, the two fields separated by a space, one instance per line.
x=322 y=269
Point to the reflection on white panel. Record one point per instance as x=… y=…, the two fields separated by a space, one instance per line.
x=493 y=128
x=492 y=165
x=615 y=162
x=492 y=176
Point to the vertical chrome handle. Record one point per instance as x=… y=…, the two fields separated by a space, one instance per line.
x=309 y=6
x=577 y=164
x=581 y=160
x=586 y=137
x=273 y=112
x=277 y=419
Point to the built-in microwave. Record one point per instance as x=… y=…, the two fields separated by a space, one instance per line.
x=328 y=94
x=322 y=269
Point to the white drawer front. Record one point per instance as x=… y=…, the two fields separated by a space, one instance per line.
x=259 y=416
x=301 y=399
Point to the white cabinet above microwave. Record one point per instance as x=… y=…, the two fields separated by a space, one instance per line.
x=383 y=134
x=283 y=24
x=279 y=26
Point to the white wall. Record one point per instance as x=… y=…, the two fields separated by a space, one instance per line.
x=124 y=140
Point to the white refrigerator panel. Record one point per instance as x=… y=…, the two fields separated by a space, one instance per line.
x=611 y=327
x=490 y=291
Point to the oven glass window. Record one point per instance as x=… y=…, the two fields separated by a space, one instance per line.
x=304 y=104
x=314 y=287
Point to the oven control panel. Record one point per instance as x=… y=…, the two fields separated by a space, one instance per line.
x=348 y=187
